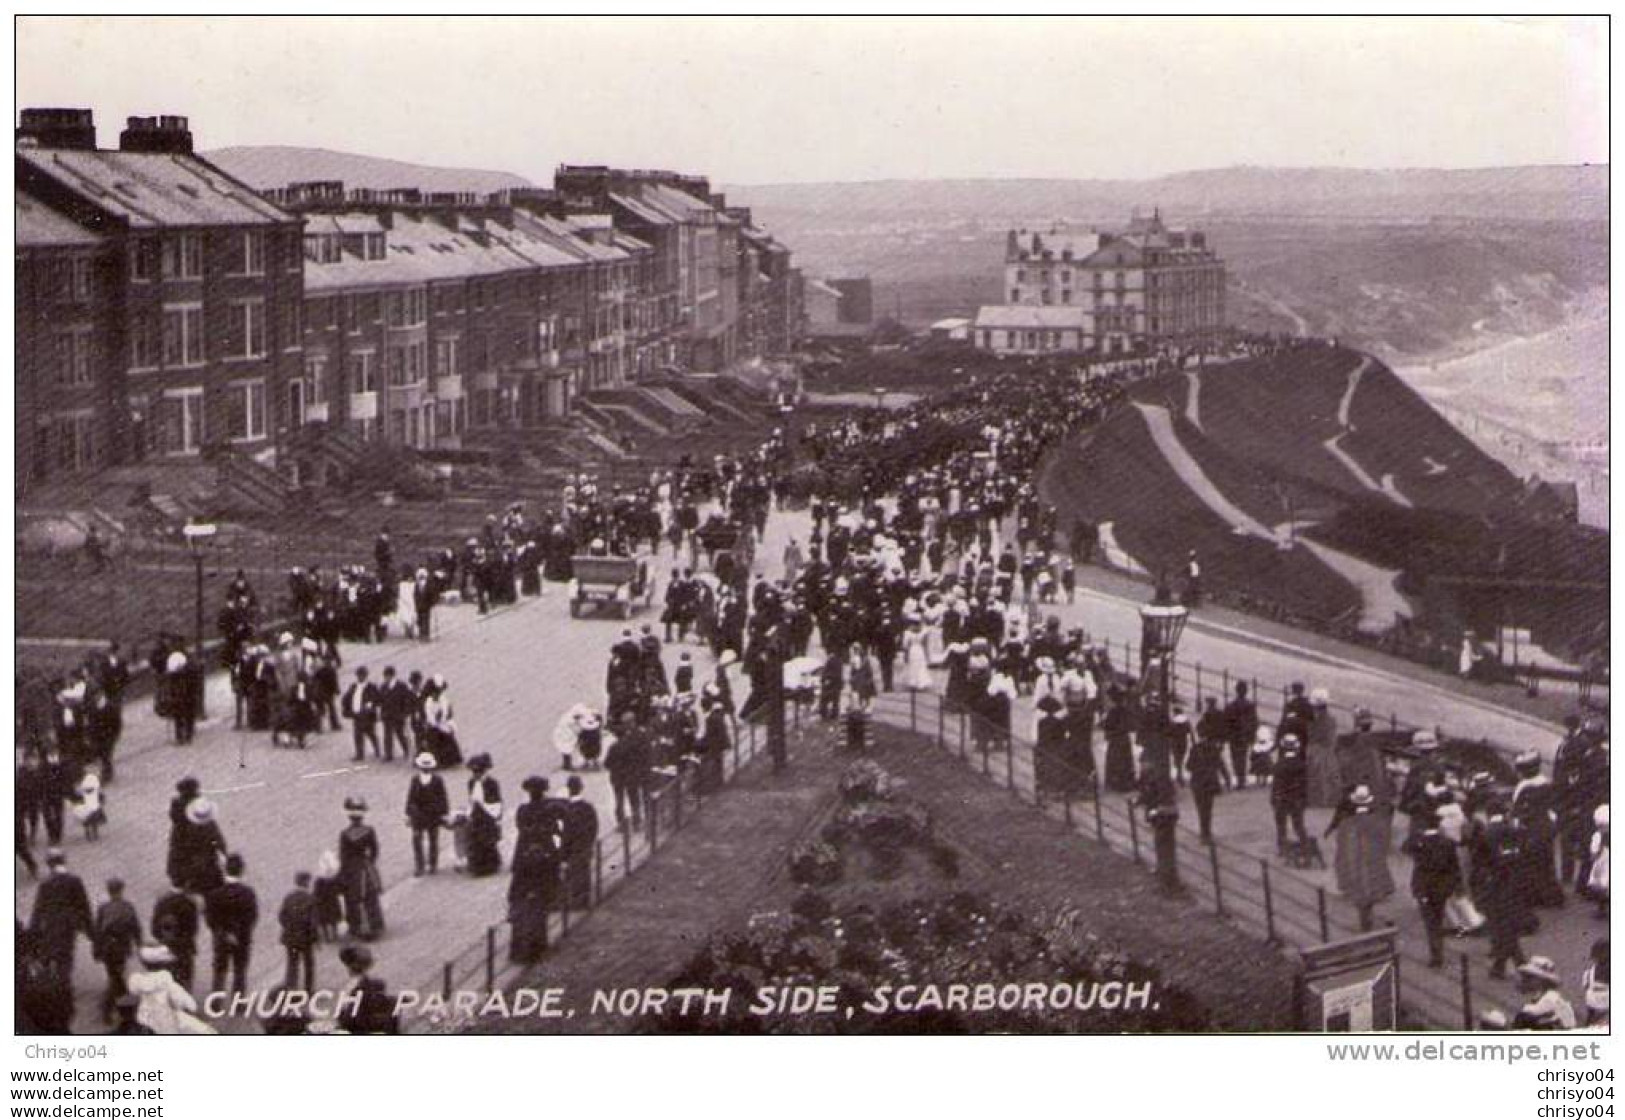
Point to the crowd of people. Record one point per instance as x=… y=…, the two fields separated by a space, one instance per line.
x=931 y=564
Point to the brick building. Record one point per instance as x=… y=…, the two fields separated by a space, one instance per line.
x=68 y=384
x=202 y=309
x=166 y=309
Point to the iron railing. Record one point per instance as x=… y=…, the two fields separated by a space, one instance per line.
x=1286 y=909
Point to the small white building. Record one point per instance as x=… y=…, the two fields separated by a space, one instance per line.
x=1028 y=329
x=953 y=330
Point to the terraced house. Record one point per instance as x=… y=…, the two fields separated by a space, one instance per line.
x=167 y=309
x=183 y=299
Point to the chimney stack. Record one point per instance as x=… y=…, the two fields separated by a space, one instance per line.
x=171 y=135
x=58 y=128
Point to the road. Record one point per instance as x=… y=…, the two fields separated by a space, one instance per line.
x=512 y=673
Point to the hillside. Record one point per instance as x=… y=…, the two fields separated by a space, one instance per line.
x=1318 y=483
x=271 y=165
x=1405 y=263
x=1550 y=193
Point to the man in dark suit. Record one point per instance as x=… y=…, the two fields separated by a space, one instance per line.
x=628 y=766
x=361 y=709
x=427 y=806
x=371 y=1011
x=61 y=914
x=396 y=702
x=175 y=925
x=117 y=936
x=579 y=841
x=231 y=911
x=58 y=784
x=1435 y=878
x=301 y=932
x=1241 y=720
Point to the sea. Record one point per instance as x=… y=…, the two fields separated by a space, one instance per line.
x=1538 y=403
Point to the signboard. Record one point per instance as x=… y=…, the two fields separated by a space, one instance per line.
x=1350 y=985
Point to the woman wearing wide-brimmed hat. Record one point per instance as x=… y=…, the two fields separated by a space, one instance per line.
x=165 y=1007
x=484 y=818
x=358 y=871
x=534 y=887
x=1363 y=836
x=199 y=847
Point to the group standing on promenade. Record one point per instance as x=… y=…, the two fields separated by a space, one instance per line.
x=931 y=564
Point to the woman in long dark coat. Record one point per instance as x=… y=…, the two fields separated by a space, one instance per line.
x=187 y=790
x=715 y=744
x=261 y=690
x=200 y=847
x=358 y=872
x=1118 y=726
x=1363 y=837
x=484 y=818
x=1051 y=771
x=533 y=889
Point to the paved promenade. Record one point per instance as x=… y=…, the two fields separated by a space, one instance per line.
x=512 y=673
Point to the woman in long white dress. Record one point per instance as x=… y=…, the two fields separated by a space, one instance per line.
x=166 y=1007
x=916 y=658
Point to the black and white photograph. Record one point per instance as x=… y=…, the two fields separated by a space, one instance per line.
x=649 y=526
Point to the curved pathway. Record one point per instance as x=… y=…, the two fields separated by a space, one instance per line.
x=1195 y=478
x=1386 y=487
x=1193 y=399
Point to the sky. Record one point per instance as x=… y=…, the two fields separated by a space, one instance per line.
x=748 y=100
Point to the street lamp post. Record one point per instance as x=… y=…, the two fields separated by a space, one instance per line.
x=1162 y=622
x=776 y=744
x=198 y=534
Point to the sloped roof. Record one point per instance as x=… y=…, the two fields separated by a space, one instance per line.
x=419 y=251
x=1058 y=242
x=39 y=227
x=1117 y=251
x=678 y=203
x=636 y=206
x=1016 y=316
x=152 y=190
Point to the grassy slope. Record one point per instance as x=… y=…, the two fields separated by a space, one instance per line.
x=729 y=864
x=1262 y=427
x=1118 y=475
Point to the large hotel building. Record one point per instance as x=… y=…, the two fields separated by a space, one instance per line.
x=1108 y=292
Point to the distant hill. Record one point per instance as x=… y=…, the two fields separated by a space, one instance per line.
x=1529 y=193
x=272 y=165
x=1407 y=263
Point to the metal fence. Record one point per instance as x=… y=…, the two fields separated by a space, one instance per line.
x=1286 y=909
x=670 y=804
x=1193 y=679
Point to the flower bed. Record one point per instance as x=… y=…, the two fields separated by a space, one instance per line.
x=872 y=826
x=946 y=963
